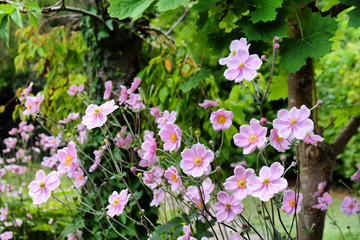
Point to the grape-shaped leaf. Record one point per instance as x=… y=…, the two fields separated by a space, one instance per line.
x=265 y=10
x=354 y=20
x=122 y=9
x=314 y=44
x=278 y=87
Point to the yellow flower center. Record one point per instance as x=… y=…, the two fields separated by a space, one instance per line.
x=172 y=137
x=252 y=137
x=53 y=141
x=197 y=161
x=173 y=177
x=97 y=111
x=200 y=206
x=156 y=194
x=80 y=177
x=68 y=160
x=42 y=184
x=116 y=201
x=29 y=106
x=241 y=183
x=227 y=206
x=233 y=52
x=351 y=206
x=241 y=65
x=293 y=122
x=292 y=202
x=266 y=181
x=279 y=138
x=221 y=119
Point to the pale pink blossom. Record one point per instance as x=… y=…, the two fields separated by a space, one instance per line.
x=158 y=197
x=6 y=235
x=28 y=216
x=51 y=221
x=74 y=89
x=227 y=207
x=108 y=87
x=236 y=236
x=10 y=142
x=269 y=182
x=13 y=131
x=172 y=175
x=123 y=95
x=134 y=85
x=80 y=180
x=312 y=138
x=155 y=112
x=251 y=136
x=75 y=236
x=323 y=201
x=40 y=189
x=117 y=202
x=32 y=104
x=135 y=101
x=2 y=172
x=94 y=166
x=69 y=162
x=152 y=178
x=149 y=145
x=196 y=161
x=187 y=236
x=290 y=201
x=350 y=206
x=170 y=134
x=242 y=66
x=192 y=193
x=166 y=118
x=73 y=116
x=3 y=214
x=234 y=47
x=355 y=177
x=209 y=103
x=96 y=116
x=320 y=189
x=145 y=162
x=237 y=184
x=221 y=119
x=7 y=150
x=25 y=92
x=49 y=161
x=294 y=123
x=277 y=142
x=18 y=222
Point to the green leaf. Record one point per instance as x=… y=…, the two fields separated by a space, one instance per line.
x=33 y=6
x=278 y=87
x=354 y=20
x=194 y=81
x=265 y=31
x=5 y=29
x=16 y=17
x=170 y=225
x=265 y=10
x=163 y=93
x=165 y=5
x=33 y=18
x=314 y=44
x=203 y=5
x=128 y=8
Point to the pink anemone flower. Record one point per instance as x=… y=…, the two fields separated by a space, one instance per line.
x=350 y=206
x=234 y=47
x=68 y=160
x=172 y=175
x=96 y=116
x=117 y=202
x=237 y=184
x=171 y=135
x=158 y=197
x=269 y=182
x=196 y=161
x=356 y=175
x=108 y=87
x=227 y=207
x=74 y=89
x=277 y=142
x=321 y=187
x=323 y=201
x=289 y=202
x=209 y=103
x=251 y=137
x=221 y=119
x=294 y=123
x=40 y=189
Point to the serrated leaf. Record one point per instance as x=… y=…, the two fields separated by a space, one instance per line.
x=278 y=88
x=265 y=10
x=33 y=6
x=194 y=81
x=128 y=8
x=265 y=31
x=314 y=44
x=16 y=17
x=5 y=29
x=165 y=5
x=354 y=20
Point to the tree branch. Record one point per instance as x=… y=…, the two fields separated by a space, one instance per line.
x=345 y=135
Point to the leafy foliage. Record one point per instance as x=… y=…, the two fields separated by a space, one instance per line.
x=265 y=10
